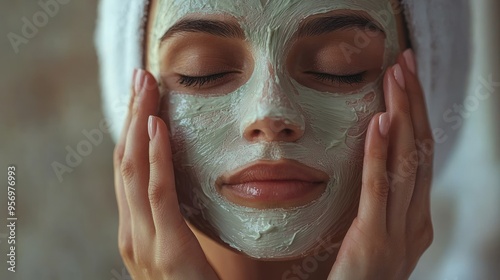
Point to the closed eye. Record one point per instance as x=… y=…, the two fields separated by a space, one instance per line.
x=199 y=81
x=340 y=79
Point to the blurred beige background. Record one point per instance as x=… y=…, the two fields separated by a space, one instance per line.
x=67 y=227
x=49 y=95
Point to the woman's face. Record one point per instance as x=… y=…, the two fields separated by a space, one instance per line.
x=268 y=103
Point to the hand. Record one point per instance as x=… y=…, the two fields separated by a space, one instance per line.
x=393 y=227
x=153 y=238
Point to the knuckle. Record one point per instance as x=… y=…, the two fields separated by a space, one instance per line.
x=142 y=254
x=404 y=108
x=429 y=140
x=426 y=149
x=127 y=169
x=142 y=260
x=408 y=164
x=380 y=188
x=426 y=174
x=408 y=169
x=424 y=234
x=125 y=245
x=377 y=154
x=155 y=193
x=155 y=159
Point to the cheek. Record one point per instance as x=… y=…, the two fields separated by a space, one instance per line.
x=339 y=124
x=199 y=127
x=339 y=120
x=365 y=108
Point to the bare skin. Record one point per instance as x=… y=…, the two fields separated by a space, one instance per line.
x=385 y=241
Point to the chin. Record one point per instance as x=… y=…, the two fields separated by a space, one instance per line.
x=274 y=243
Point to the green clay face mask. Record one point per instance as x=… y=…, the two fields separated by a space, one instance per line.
x=207 y=131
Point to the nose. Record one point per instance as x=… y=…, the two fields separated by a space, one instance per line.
x=272 y=129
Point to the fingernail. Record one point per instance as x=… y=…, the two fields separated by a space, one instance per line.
x=398 y=75
x=384 y=123
x=139 y=81
x=410 y=60
x=152 y=127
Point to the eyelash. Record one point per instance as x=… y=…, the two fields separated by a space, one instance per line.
x=348 y=79
x=189 y=81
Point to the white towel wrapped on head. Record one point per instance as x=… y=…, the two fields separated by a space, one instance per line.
x=119 y=39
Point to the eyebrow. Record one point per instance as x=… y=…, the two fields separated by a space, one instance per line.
x=324 y=25
x=315 y=27
x=212 y=27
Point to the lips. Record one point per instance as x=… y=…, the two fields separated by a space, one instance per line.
x=273 y=184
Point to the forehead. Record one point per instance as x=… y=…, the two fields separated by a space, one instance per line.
x=269 y=14
x=267 y=24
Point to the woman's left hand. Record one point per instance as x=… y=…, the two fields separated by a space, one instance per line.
x=393 y=227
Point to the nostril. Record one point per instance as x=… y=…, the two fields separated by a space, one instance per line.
x=288 y=132
x=272 y=130
x=254 y=133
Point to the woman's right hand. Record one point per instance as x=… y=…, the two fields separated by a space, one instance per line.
x=154 y=240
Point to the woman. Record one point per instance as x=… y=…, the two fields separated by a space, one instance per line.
x=274 y=135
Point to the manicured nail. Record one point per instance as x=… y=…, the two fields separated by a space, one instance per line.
x=384 y=123
x=398 y=75
x=139 y=81
x=410 y=60
x=152 y=127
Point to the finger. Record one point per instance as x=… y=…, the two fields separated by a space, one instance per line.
x=162 y=194
x=182 y=245
x=135 y=163
x=375 y=185
x=416 y=97
x=123 y=208
x=402 y=151
x=123 y=136
x=420 y=203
